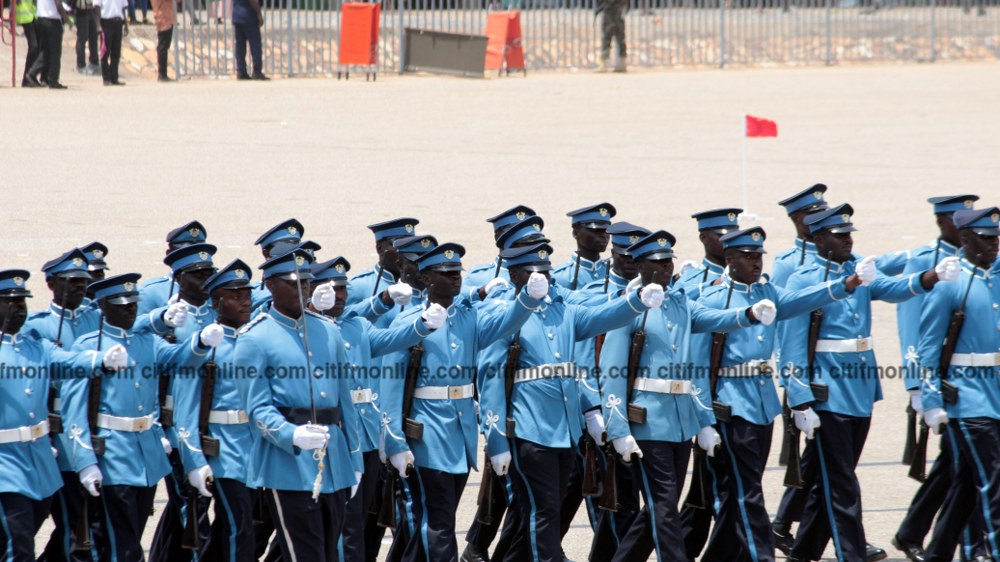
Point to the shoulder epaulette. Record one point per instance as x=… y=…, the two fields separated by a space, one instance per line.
x=246 y=327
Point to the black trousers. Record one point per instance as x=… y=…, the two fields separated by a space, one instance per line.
x=163 y=40
x=88 y=26
x=166 y=545
x=833 y=510
x=50 y=36
x=34 y=48
x=66 y=505
x=431 y=499
x=742 y=531
x=976 y=444
x=247 y=33
x=232 y=529
x=21 y=517
x=112 y=52
x=124 y=512
x=612 y=525
x=540 y=477
x=657 y=527
x=353 y=537
x=308 y=529
x=483 y=535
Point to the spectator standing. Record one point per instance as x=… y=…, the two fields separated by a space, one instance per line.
x=49 y=27
x=113 y=26
x=88 y=28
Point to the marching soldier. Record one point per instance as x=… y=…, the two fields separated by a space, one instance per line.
x=95 y=252
x=931 y=494
x=307 y=457
x=799 y=206
x=380 y=309
x=743 y=373
x=158 y=292
x=62 y=322
x=543 y=446
x=114 y=440
x=654 y=402
x=590 y=225
x=846 y=372
x=385 y=272
x=288 y=232
x=711 y=226
x=29 y=475
x=428 y=415
x=481 y=276
x=362 y=344
x=960 y=394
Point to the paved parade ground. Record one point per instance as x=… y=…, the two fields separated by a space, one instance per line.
x=125 y=165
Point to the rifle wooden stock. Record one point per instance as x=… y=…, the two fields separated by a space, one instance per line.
x=609 y=495
x=509 y=375
x=590 y=487
x=723 y=412
x=786 y=421
x=636 y=414
x=387 y=513
x=793 y=471
x=93 y=405
x=911 y=435
x=821 y=393
x=487 y=499
x=166 y=414
x=55 y=420
x=209 y=445
x=83 y=543
x=949 y=392
x=191 y=539
x=918 y=464
x=696 y=497
x=412 y=428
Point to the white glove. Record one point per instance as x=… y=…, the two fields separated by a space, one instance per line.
x=310 y=437
x=434 y=316
x=402 y=462
x=323 y=297
x=627 y=447
x=633 y=284
x=687 y=266
x=936 y=419
x=116 y=358
x=501 y=463
x=200 y=478
x=494 y=285
x=166 y=445
x=55 y=453
x=948 y=269
x=651 y=295
x=538 y=285
x=176 y=314
x=174 y=298
x=595 y=425
x=764 y=311
x=400 y=293
x=709 y=439
x=915 y=401
x=867 y=271
x=354 y=488
x=807 y=421
x=91 y=478
x=211 y=335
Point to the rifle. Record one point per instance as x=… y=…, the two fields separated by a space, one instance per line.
x=635 y=414
x=83 y=543
x=589 y=488
x=909 y=449
x=209 y=445
x=491 y=488
x=55 y=420
x=949 y=392
x=576 y=273
x=191 y=540
x=378 y=279
x=793 y=472
x=412 y=429
x=170 y=336
x=609 y=495
x=486 y=499
x=786 y=422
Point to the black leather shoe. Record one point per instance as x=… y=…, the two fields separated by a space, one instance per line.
x=56 y=86
x=473 y=553
x=242 y=76
x=913 y=552
x=783 y=537
x=259 y=77
x=874 y=553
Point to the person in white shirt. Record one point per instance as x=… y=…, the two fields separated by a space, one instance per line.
x=51 y=17
x=114 y=26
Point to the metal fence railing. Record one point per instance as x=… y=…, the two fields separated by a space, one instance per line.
x=301 y=36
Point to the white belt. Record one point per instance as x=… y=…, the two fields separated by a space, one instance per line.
x=663 y=386
x=443 y=392
x=752 y=368
x=975 y=359
x=168 y=402
x=546 y=371
x=135 y=425
x=844 y=346
x=363 y=396
x=57 y=404
x=227 y=417
x=25 y=433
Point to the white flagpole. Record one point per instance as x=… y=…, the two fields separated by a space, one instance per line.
x=746 y=186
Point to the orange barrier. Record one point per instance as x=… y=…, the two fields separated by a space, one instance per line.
x=503 y=49
x=359 y=36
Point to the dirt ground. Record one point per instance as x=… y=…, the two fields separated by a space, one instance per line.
x=125 y=165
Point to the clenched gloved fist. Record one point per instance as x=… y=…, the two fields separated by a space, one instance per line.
x=310 y=437
x=709 y=439
x=323 y=297
x=400 y=293
x=936 y=419
x=595 y=425
x=211 y=335
x=176 y=314
x=434 y=316
x=116 y=358
x=948 y=269
x=651 y=295
x=166 y=445
x=91 y=479
x=495 y=285
x=807 y=421
x=867 y=271
x=627 y=447
x=402 y=462
x=538 y=285
x=501 y=463
x=200 y=478
x=764 y=311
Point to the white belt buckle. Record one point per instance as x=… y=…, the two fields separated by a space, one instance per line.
x=358 y=396
x=863 y=344
x=140 y=424
x=454 y=392
x=241 y=417
x=676 y=387
x=38 y=430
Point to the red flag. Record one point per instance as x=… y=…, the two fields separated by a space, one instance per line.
x=757 y=127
